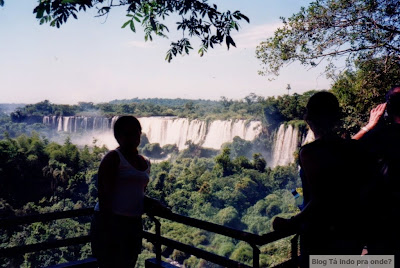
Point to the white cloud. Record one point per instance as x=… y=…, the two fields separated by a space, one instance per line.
x=254 y=35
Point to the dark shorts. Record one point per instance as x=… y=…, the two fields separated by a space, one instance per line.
x=116 y=240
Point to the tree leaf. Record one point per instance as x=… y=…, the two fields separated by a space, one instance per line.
x=39 y=13
x=244 y=17
x=153 y=24
x=229 y=41
x=132 y=25
x=168 y=57
x=126 y=24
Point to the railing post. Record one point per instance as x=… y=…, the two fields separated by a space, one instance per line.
x=295 y=248
x=256 y=256
x=158 y=235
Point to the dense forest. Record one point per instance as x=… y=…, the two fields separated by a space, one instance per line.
x=232 y=186
x=241 y=193
x=198 y=182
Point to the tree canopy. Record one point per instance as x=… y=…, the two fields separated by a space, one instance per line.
x=39 y=176
x=327 y=29
x=361 y=89
x=198 y=19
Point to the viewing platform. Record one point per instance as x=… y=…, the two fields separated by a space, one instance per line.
x=155 y=238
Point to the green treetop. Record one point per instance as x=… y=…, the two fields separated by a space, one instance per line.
x=328 y=29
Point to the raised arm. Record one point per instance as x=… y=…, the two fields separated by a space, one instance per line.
x=375 y=115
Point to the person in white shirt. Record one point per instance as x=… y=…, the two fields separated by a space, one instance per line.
x=122 y=179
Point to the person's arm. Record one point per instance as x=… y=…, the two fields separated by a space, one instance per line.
x=108 y=171
x=313 y=162
x=374 y=117
x=154 y=206
x=294 y=223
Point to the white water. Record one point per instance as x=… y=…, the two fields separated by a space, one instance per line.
x=309 y=137
x=178 y=131
x=286 y=144
x=162 y=130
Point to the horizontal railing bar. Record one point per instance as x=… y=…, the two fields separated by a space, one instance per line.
x=194 y=251
x=274 y=236
x=45 y=217
x=12 y=251
x=208 y=226
x=215 y=228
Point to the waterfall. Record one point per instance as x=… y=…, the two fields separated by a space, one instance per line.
x=53 y=121
x=309 y=137
x=223 y=131
x=164 y=130
x=60 y=123
x=76 y=125
x=178 y=131
x=287 y=141
x=286 y=144
x=113 y=120
x=85 y=124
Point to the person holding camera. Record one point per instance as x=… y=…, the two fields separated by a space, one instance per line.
x=334 y=172
x=381 y=137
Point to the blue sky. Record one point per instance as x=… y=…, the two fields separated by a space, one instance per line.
x=93 y=59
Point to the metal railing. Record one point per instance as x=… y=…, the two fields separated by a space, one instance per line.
x=158 y=240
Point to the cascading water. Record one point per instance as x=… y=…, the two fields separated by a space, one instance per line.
x=309 y=137
x=286 y=143
x=178 y=131
x=60 y=123
x=165 y=130
x=224 y=131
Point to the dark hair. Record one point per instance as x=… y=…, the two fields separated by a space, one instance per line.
x=323 y=110
x=391 y=91
x=124 y=121
x=393 y=104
